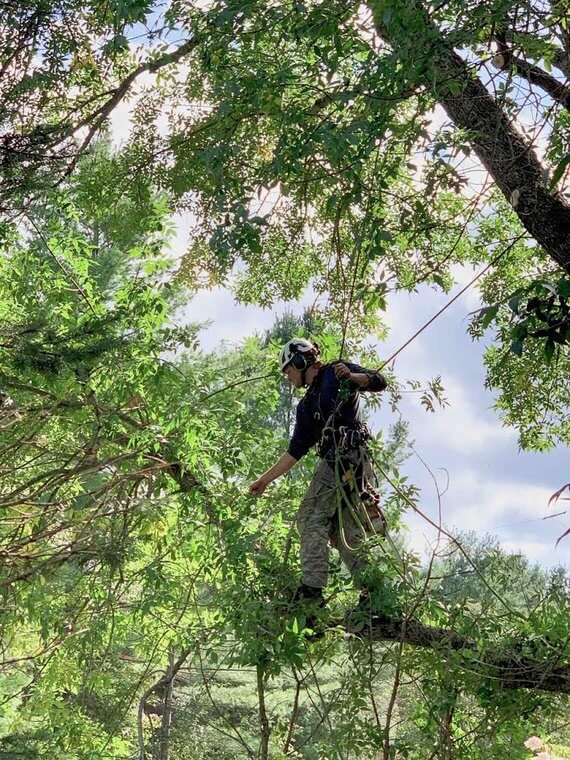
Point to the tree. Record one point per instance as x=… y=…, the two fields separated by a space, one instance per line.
x=133 y=555
x=302 y=135
x=318 y=162
x=64 y=66
x=133 y=545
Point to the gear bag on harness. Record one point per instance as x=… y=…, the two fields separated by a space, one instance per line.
x=344 y=448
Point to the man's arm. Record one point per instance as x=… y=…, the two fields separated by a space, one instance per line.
x=279 y=468
x=363 y=380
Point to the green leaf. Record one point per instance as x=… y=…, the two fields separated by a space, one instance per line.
x=488 y=314
x=118 y=43
x=560 y=169
x=514 y=303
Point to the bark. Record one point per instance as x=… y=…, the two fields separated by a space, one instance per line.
x=162 y=685
x=263 y=719
x=562 y=61
x=507 y=157
x=501 y=148
x=535 y=75
x=164 y=737
x=508 y=671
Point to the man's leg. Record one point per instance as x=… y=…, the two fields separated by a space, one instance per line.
x=349 y=529
x=315 y=515
x=347 y=537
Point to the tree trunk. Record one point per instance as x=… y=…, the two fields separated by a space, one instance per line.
x=163 y=744
x=508 y=158
x=263 y=719
x=161 y=686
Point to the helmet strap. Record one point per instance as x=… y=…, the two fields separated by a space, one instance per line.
x=304 y=371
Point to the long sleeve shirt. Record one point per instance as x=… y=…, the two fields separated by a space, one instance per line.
x=323 y=397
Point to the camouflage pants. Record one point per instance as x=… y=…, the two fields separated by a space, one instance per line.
x=331 y=512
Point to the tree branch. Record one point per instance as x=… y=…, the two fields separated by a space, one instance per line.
x=508 y=671
x=164 y=681
x=502 y=150
x=506 y=61
x=97 y=118
x=561 y=60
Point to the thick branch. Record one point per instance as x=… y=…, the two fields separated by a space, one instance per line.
x=562 y=61
x=509 y=672
x=508 y=158
x=535 y=75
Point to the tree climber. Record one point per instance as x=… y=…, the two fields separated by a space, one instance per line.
x=340 y=503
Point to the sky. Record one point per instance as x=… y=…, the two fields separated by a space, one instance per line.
x=490 y=486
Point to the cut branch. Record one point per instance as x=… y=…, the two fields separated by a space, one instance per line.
x=506 y=61
x=508 y=158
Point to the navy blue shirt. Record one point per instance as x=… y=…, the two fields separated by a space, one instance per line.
x=322 y=398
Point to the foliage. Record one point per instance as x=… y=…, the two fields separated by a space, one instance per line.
x=524 y=361
x=131 y=539
x=303 y=137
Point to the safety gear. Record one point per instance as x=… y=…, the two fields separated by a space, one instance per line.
x=309 y=602
x=297 y=352
x=343 y=438
x=373 y=519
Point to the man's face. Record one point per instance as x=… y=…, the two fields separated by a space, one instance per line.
x=293 y=375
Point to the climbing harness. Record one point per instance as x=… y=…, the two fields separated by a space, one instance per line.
x=344 y=448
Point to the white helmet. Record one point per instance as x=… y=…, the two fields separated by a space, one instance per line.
x=293 y=352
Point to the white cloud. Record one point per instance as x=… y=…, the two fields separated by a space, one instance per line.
x=463 y=274
x=513 y=511
x=536 y=551
x=232 y=321
x=492 y=487
x=488 y=505
x=463 y=426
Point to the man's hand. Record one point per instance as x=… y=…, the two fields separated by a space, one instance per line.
x=259 y=486
x=342 y=371
x=359 y=379
x=279 y=468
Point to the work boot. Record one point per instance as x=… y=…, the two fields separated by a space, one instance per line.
x=310 y=600
x=364 y=615
x=307 y=592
